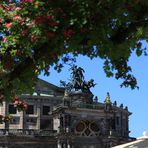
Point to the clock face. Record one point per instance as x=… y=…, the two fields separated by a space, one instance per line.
x=87 y=128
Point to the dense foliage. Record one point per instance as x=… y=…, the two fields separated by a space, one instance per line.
x=36 y=34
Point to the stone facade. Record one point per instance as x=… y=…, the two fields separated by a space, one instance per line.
x=59 y=120
x=40 y=104
x=82 y=125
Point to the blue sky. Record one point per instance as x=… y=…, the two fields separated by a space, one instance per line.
x=136 y=100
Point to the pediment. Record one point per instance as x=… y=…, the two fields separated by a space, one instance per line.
x=44 y=87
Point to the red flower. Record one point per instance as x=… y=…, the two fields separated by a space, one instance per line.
x=38 y=20
x=83 y=30
x=8 y=25
x=24 y=32
x=1 y=20
x=49 y=17
x=25 y=106
x=33 y=38
x=5 y=40
x=17 y=17
x=17 y=8
x=16 y=102
x=50 y=34
x=19 y=104
x=68 y=33
x=52 y=24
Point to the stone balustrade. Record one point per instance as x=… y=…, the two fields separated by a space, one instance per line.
x=26 y=132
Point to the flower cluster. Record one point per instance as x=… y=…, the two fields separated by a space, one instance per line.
x=5 y=118
x=20 y=105
x=68 y=33
x=32 y=30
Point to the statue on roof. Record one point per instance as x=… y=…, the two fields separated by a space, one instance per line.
x=77 y=81
x=87 y=85
x=77 y=86
x=77 y=77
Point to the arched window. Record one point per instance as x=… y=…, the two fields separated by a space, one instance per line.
x=87 y=128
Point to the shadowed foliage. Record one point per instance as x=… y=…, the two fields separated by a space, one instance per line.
x=37 y=34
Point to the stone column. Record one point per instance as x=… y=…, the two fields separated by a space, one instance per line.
x=6 y=113
x=72 y=143
x=21 y=125
x=38 y=107
x=59 y=144
x=2 y=112
x=68 y=145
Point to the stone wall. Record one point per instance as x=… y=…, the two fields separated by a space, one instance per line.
x=27 y=142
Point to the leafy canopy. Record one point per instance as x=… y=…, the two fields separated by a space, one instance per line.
x=35 y=34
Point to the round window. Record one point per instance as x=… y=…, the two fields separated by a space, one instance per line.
x=94 y=127
x=80 y=127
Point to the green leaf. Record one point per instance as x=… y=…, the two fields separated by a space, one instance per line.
x=138 y=52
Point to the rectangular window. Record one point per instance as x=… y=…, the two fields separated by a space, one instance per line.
x=113 y=124
x=11 y=109
x=46 y=124
x=30 y=109
x=124 y=123
x=117 y=120
x=46 y=110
